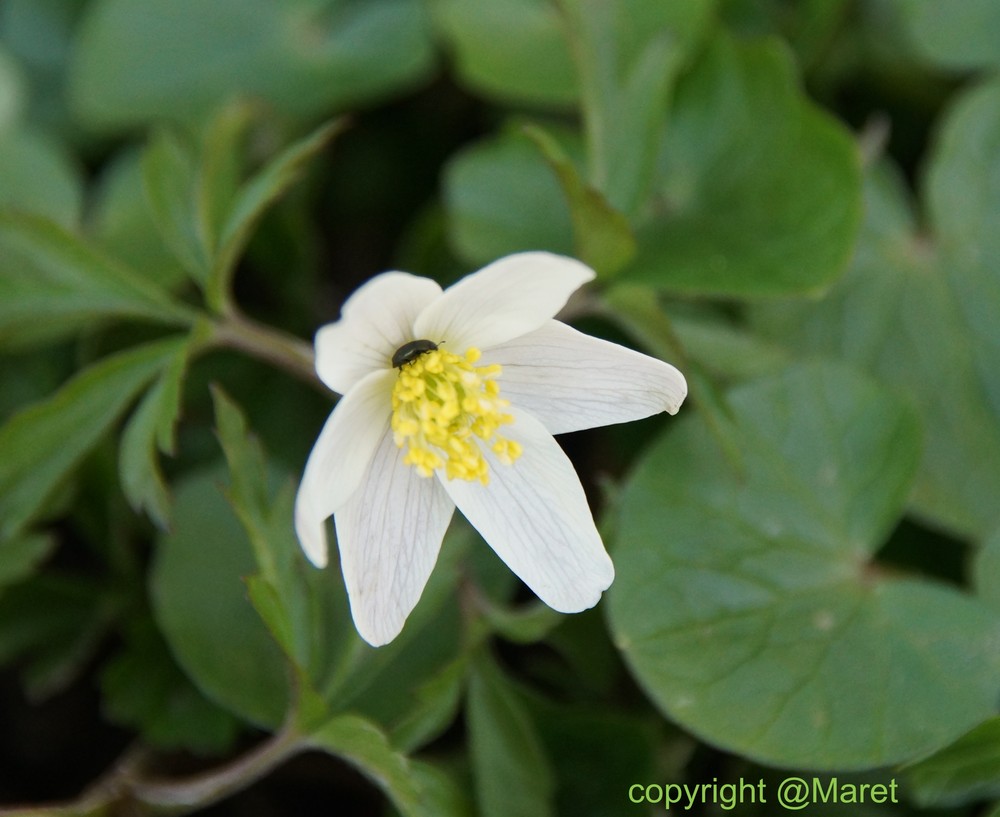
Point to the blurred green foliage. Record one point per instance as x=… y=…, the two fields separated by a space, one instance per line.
x=796 y=203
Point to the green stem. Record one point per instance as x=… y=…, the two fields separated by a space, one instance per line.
x=198 y=791
x=126 y=790
x=238 y=332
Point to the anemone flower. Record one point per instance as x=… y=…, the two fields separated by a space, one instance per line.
x=450 y=398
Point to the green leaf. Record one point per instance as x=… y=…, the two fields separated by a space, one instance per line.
x=768 y=204
x=21 y=557
x=294 y=599
x=441 y=794
x=255 y=196
x=365 y=746
x=307 y=613
x=513 y=50
x=502 y=198
x=222 y=164
x=273 y=610
x=170 y=174
x=39 y=33
x=152 y=428
x=12 y=91
x=37 y=176
x=879 y=317
x=366 y=679
x=812 y=29
x=757 y=582
x=141 y=61
x=122 y=223
x=963 y=202
x=523 y=625
x=52 y=282
x=958 y=35
x=584 y=647
x=205 y=216
x=602 y=236
x=512 y=772
x=143 y=688
x=249 y=491
x=917 y=310
x=200 y=604
x=967 y=770
x=627 y=54
x=636 y=309
x=987 y=571
x=726 y=350
x=45 y=441
x=305 y=609
x=597 y=754
x=438 y=701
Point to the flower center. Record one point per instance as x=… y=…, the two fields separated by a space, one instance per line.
x=444 y=408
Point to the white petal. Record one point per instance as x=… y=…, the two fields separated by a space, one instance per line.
x=571 y=381
x=508 y=298
x=339 y=458
x=389 y=534
x=375 y=321
x=535 y=516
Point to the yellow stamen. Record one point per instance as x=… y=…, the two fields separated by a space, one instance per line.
x=444 y=408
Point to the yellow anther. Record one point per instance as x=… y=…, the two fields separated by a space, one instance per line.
x=444 y=408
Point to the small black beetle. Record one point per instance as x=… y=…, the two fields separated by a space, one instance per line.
x=409 y=352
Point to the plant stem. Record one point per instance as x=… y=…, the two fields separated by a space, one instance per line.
x=236 y=331
x=126 y=790
x=204 y=789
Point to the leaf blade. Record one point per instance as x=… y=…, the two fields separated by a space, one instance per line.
x=52 y=282
x=45 y=441
x=252 y=200
x=734 y=217
x=765 y=586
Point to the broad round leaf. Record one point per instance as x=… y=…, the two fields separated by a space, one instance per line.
x=502 y=198
x=201 y=605
x=967 y=770
x=963 y=198
x=959 y=34
x=39 y=34
x=919 y=312
x=37 y=176
x=514 y=50
x=747 y=602
x=759 y=191
x=139 y=61
x=627 y=55
x=986 y=572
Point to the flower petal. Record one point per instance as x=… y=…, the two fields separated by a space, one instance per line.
x=571 y=381
x=389 y=534
x=508 y=298
x=375 y=321
x=535 y=516
x=339 y=458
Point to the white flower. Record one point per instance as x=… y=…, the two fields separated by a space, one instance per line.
x=484 y=378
